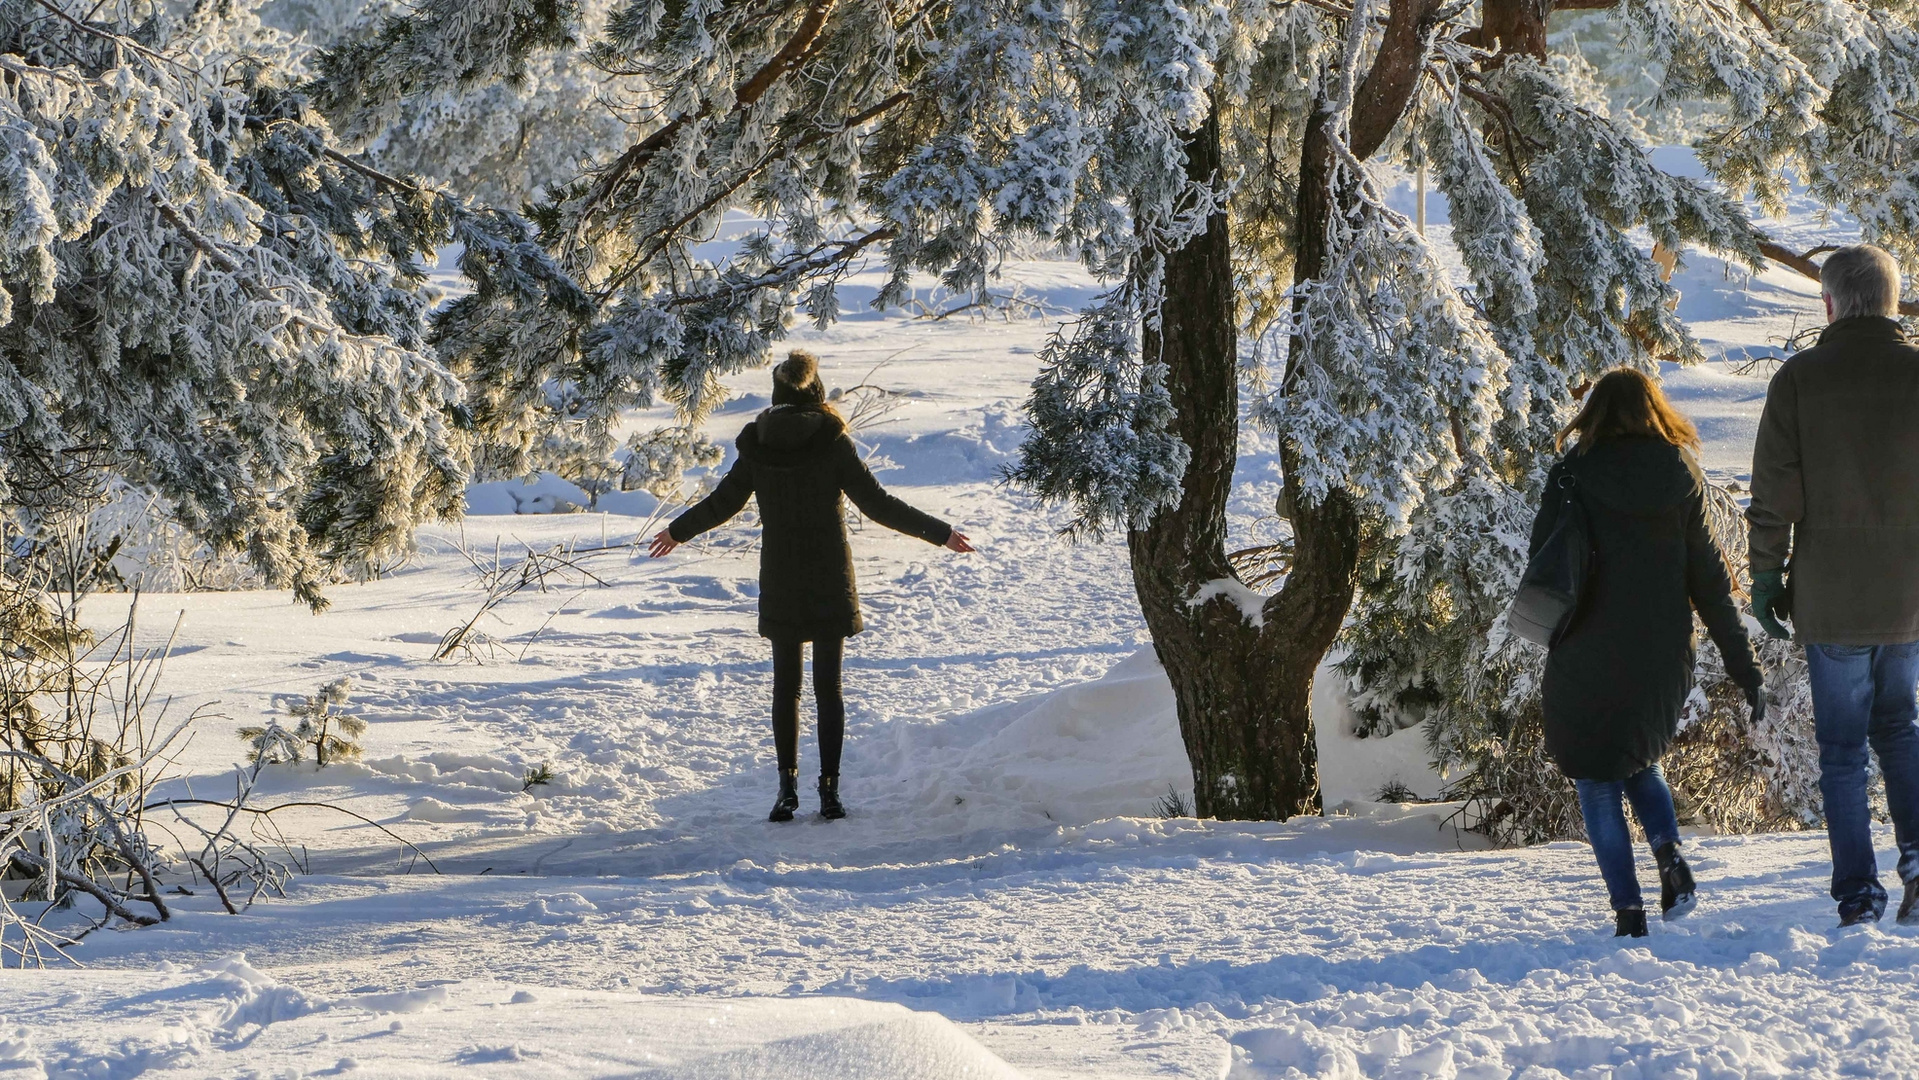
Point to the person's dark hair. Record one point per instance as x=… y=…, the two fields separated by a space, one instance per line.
x=1861 y=280
x=796 y=380
x=1626 y=402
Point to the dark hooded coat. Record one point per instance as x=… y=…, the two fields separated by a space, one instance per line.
x=1617 y=680
x=797 y=460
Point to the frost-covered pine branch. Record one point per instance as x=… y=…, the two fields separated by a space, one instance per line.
x=203 y=295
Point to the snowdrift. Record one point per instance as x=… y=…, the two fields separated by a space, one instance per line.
x=230 y=1019
x=1111 y=748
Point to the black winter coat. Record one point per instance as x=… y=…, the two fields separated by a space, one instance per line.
x=797 y=460
x=1616 y=682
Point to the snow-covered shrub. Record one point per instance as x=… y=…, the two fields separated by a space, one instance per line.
x=329 y=734
x=1730 y=774
x=152 y=552
x=39 y=661
x=82 y=742
x=579 y=453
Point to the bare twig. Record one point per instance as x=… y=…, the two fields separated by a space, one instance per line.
x=502 y=581
x=213 y=879
x=35 y=864
x=267 y=811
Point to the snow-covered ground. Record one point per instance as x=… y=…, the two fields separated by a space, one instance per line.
x=1006 y=898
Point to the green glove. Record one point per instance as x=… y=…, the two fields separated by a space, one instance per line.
x=1772 y=601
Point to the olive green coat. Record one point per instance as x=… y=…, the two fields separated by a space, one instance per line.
x=1835 y=485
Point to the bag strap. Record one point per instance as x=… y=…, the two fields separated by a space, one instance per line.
x=1569 y=488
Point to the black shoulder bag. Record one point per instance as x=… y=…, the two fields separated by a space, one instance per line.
x=1556 y=576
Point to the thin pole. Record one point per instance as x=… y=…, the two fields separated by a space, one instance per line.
x=1419 y=202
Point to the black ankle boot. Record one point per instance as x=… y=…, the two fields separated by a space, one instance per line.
x=830 y=806
x=1676 y=888
x=1629 y=923
x=789 y=799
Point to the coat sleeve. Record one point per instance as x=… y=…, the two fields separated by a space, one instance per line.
x=1709 y=585
x=1778 y=486
x=1548 y=517
x=857 y=481
x=725 y=501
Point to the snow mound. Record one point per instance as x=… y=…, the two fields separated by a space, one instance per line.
x=1101 y=749
x=1111 y=748
x=909 y=1046
x=231 y=1020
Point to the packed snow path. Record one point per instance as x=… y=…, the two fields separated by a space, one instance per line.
x=1004 y=867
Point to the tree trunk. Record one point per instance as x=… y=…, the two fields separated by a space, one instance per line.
x=1242 y=680
x=1516 y=27
x=1252 y=755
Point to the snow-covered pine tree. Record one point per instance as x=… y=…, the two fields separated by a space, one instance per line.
x=203 y=295
x=333 y=735
x=1823 y=93
x=1415 y=422
x=932 y=135
x=1191 y=153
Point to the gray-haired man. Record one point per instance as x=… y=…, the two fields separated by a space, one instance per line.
x=1835 y=492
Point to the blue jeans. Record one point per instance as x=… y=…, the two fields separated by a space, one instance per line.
x=1601 y=802
x=1864 y=695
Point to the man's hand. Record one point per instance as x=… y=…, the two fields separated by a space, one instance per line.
x=956 y=540
x=663 y=544
x=1756 y=701
x=1772 y=601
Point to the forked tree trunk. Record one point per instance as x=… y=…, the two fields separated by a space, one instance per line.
x=1242 y=707
x=1243 y=680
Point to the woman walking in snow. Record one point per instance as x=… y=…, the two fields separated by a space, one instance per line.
x=797 y=459
x=1619 y=675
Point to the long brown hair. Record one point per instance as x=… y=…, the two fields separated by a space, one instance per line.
x=1626 y=402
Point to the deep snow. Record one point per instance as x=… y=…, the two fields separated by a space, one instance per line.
x=1004 y=897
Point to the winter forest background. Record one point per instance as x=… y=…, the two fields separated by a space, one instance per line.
x=350 y=346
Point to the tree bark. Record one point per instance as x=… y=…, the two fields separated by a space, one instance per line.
x=1243 y=681
x=1251 y=756
x=1515 y=26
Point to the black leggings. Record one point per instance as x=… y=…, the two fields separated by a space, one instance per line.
x=826 y=690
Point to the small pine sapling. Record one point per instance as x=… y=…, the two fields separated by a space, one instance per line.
x=273 y=744
x=1396 y=791
x=1173 y=804
x=334 y=736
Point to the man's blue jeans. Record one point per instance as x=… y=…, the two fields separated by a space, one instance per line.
x=1601 y=802
x=1864 y=695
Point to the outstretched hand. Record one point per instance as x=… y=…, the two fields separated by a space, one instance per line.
x=1756 y=700
x=956 y=541
x=663 y=544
